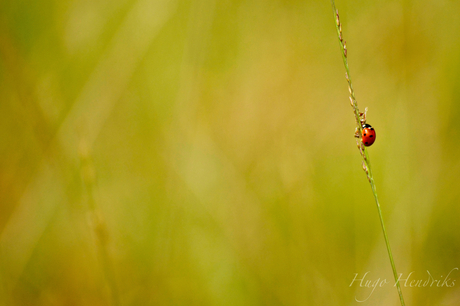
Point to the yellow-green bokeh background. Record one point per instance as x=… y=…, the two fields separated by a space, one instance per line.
x=201 y=152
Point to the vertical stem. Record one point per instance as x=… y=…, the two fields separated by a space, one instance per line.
x=382 y=223
x=367 y=164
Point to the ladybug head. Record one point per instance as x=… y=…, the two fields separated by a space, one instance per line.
x=367 y=126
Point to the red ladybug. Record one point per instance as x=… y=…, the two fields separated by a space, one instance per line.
x=368 y=135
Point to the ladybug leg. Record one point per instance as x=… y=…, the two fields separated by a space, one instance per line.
x=356 y=133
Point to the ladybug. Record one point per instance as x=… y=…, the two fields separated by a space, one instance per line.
x=368 y=135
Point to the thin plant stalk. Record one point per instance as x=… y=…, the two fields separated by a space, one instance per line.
x=360 y=118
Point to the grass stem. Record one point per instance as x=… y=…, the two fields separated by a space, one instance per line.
x=360 y=118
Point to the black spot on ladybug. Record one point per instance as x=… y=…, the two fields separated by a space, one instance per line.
x=365 y=134
x=371 y=136
x=366 y=143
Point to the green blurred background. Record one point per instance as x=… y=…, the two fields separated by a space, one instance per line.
x=161 y=152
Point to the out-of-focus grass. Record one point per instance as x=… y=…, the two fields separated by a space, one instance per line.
x=222 y=143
